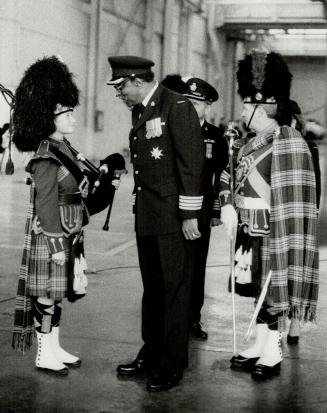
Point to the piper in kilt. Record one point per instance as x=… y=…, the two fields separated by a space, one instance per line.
x=276 y=212
x=53 y=257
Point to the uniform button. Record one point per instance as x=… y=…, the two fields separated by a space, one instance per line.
x=136 y=172
x=135 y=155
x=135 y=137
x=139 y=188
x=242 y=193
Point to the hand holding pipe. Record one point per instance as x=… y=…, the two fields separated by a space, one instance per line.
x=103 y=170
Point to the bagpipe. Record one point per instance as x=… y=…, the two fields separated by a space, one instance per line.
x=10 y=99
x=100 y=180
x=101 y=190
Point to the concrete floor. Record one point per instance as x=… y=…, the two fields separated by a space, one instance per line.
x=104 y=330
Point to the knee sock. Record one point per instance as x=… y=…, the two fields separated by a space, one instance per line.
x=264 y=317
x=57 y=314
x=43 y=314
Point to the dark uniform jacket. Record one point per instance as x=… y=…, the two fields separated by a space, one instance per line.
x=216 y=159
x=167 y=153
x=59 y=209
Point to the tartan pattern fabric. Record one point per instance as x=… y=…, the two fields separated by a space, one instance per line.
x=23 y=329
x=46 y=279
x=291 y=250
x=38 y=275
x=293 y=240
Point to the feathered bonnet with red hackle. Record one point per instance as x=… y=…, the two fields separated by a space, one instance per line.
x=264 y=78
x=46 y=83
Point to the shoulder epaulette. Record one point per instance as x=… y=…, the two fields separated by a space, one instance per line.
x=44 y=152
x=43 y=149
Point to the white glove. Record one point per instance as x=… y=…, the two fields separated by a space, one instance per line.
x=228 y=217
x=115 y=182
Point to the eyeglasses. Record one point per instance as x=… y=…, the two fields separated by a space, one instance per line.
x=121 y=86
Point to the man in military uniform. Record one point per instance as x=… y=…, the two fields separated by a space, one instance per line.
x=167 y=156
x=202 y=95
x=274 y=213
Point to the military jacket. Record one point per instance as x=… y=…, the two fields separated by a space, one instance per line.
x=59 y=209
x=168 y=156
x=252 y=188
x=216 y=159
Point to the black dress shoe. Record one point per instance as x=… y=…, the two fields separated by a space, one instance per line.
x=62 y=372
x=292 y=339
x=243 y=363
x=262 y=372
x=162 y=380
x=136 y=367
x=74 y=365
x=197 y=331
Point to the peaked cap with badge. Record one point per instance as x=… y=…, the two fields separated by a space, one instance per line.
x=199 y=89
x=128 y=66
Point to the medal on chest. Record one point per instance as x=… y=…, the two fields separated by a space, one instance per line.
x=209 y=143
x=156 y=153
x=153 y=128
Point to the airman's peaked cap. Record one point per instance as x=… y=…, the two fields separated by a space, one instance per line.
x=199 y=89
x=128 y=66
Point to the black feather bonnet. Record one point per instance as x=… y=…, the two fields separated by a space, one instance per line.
x=46 y=83
x=263 y=78
x=175 y=83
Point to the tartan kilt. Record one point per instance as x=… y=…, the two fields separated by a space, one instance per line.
x=45 y=278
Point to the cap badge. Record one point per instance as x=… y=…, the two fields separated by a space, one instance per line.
x=193 y=87
x=258 y=96
x=156 y=153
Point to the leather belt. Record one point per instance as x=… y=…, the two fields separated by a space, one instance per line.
x=247 y=202
x=73 y=198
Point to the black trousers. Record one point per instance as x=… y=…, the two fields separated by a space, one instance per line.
x=165 y=302
x=196 y=260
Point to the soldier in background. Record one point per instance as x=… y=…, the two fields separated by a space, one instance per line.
x=202 y=95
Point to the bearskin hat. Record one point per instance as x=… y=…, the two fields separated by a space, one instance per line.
x=45 y=84
x=175 y=83
x=263 y=78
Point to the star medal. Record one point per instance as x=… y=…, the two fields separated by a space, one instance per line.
x=156 y=153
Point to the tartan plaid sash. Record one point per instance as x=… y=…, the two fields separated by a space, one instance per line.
x=293 y=240
x=23 y=330
x=291 y=250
